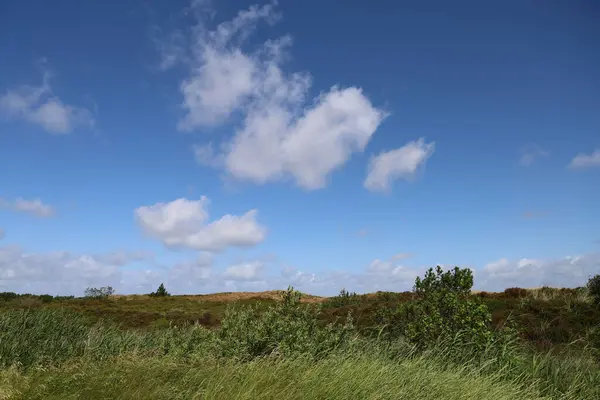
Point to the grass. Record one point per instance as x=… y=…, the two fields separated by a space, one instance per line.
x=331 y=378
x=264 y=348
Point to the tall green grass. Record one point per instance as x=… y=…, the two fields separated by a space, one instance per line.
x=335 y=377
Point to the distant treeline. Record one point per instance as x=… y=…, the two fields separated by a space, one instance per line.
x=45 y=298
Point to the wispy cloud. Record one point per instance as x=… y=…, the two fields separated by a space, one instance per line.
x=401 y=163
x=583 y=160
x=40 y=106
x=35 y=207
x=531 y=153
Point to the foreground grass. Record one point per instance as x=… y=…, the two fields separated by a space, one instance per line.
x=369 y=377
x=58 y=354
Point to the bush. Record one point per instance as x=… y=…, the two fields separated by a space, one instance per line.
x=46 y=298
x=515 y=292
x=288 y=329
x=8 y=296
x=99 y=293
x=593 y=287
x=160 y=292
x=443 y=308
x=63 y=298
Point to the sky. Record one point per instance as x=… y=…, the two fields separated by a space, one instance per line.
x=240 y=146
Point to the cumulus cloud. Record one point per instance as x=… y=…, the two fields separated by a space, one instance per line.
x=34 y=207
x=40 y=106
x=531 y=153
x=401 y=163
x=183 y=223
x=281 y=134
x=249 y=271
x=583 y=160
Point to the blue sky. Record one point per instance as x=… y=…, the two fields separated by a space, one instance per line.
x=235 y=145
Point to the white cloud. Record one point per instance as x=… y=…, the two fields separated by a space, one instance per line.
x=206 y=155
x=184 y=223
x=56 y=272
x=280 y=135
x=65 y=273
x=35 y=207
x=530 y=153
x=40 y=106
x=189 y=276
x=570 y=271
x=249 y=271
x=401 y=163
x=583 y=160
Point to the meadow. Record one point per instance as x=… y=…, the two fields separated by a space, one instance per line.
x=439 y=341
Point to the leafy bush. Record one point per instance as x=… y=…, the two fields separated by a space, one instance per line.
x=515 y=292
x=160 y=292
x=99 y=293
x=7 y=296
x=287 y=329
x=443 y=308
x=46 y=298
x=63 y=298
x=593 y=286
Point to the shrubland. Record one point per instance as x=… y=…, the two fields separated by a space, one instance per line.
x=439 y=341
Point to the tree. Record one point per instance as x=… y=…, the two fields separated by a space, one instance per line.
x=160 y=292
x=99 y=293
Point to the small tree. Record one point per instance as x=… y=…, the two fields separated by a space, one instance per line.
x=160 y=292
x=443 y=308
x=99 y=293
x=593 y=287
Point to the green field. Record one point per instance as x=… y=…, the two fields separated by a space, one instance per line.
x=540 y=344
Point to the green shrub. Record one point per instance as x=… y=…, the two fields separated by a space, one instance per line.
x=46 y=298
x=442 y=308
x=8 y=296
x=593 y=287
x=287 y=329
x=515 y=292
